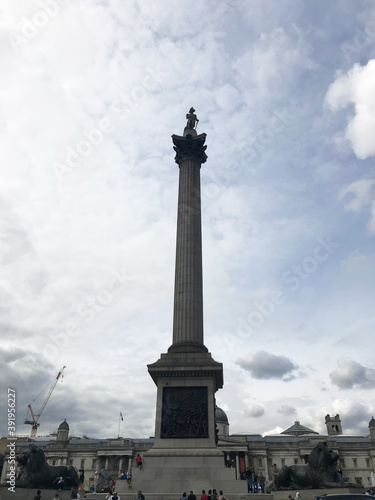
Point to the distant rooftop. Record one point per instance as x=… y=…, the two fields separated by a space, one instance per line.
x=297 y=430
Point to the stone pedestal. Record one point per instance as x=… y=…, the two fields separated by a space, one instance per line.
x=185 y=405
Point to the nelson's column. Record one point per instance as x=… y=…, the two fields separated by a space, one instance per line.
x=185 y=455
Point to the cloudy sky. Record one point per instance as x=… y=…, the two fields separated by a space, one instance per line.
x=90 y=93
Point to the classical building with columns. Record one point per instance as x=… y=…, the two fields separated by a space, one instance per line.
x=292 y=446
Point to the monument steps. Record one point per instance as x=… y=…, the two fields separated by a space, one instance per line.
x=28 y=494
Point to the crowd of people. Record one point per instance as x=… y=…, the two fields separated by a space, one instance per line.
x=211 y=495
x=255 y=482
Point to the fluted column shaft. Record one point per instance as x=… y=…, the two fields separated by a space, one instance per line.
x=188 y=293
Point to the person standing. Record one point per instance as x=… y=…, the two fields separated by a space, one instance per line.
x=204 y=496
x=339 y=473
x=192 y=496
x=262 y=482
x=96 y=479
x=129 y=476
x=249 y=479
x=221 y=496
x=60 y=483
x=275 y=471
x=140 y=495
x=38 y=495
x=255 y=482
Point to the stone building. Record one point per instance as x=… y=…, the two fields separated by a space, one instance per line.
x=292 y=446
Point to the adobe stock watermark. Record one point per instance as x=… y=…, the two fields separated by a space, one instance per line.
x=86 y=312
x=30 y=26
x=362 y=39
x=292 y=279
x=93 y=138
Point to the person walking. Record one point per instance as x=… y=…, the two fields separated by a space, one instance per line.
x=139 y=461
x=38 y=495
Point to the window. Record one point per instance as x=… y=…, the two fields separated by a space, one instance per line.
x=93 y=466
x=358 y=480
x=53 y=462
x=283 y=461
x=260 y=462
x=342 y=462
x=368 y=463
x=70 y=462
x=355 y=464
x=82 y=463
x=295 y=461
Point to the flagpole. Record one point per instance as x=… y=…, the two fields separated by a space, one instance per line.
x=119 y=421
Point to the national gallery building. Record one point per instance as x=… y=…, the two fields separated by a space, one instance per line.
x=292 y=446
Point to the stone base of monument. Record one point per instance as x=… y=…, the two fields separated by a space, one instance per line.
x=169 y=471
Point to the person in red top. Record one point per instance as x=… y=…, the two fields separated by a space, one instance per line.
x=139 y=461
x=204 y=496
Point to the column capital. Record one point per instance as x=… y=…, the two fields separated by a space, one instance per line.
x=190 y=148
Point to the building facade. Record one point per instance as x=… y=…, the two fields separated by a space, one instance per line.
x=292 y=446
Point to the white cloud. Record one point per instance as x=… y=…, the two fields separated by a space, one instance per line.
x=350 y=375
x=264 y=365
x=254 y=411
x=272 y=432
x=360 y=196
x=356 y=88
x=287 y=410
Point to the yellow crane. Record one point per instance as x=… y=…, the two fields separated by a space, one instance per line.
x=31 y=417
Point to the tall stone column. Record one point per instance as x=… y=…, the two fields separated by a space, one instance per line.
x=188 y=293
x=186 y=376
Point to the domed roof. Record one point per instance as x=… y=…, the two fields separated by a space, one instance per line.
x=297 y=430
x=221 y=416
x=63 y=426
x=372 y=422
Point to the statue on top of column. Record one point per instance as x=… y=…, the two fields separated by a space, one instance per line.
x=192 y=120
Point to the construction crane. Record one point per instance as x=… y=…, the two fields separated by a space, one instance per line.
x=31 y=417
